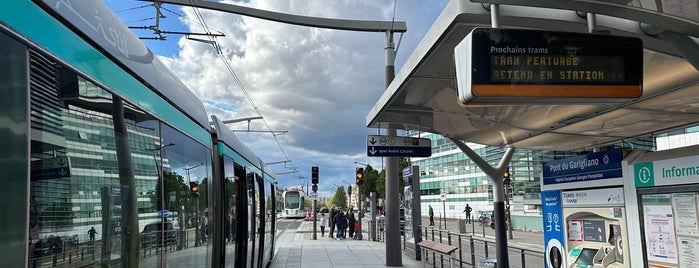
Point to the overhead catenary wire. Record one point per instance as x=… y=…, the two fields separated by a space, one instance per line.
x=237 y=79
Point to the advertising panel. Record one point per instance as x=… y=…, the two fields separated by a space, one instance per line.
x=552 y=210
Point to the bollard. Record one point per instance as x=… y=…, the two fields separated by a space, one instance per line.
x=473 y=252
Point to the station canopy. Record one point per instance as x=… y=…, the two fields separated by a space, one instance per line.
x=423 y=95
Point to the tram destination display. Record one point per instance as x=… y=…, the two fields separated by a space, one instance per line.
x=529 y=66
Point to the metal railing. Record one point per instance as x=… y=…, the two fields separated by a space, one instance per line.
x=473 y=250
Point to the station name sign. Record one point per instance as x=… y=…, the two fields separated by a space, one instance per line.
x=584 y=168
x=529 y=66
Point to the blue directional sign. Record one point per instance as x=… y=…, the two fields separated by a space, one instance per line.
x=164 y=213
x=382 y=146
x=51 y=168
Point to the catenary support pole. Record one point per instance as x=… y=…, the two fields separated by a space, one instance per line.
x=393 y=245
x=495 y=175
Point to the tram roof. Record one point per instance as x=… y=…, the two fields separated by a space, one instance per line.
x=423 y=94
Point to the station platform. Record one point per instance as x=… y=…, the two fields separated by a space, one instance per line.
x=296 y=247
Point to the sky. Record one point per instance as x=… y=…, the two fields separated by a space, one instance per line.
x=317 y=84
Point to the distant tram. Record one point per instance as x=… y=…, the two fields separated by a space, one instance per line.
x=293 y=201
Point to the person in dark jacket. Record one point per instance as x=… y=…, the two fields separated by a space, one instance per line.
x=350 y=223
x=331 y=220
x=340 y=224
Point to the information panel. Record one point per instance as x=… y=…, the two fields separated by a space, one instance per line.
x=528 y=66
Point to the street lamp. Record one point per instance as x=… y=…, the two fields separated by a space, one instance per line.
x=161 y=182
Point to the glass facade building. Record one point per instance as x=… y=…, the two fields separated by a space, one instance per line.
x=450 y=172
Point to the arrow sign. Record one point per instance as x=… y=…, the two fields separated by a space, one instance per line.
x=372 y=141
x=51 y=168
x=382 y=146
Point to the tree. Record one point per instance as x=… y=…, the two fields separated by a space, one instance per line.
x=380 y=184
x=176 y=192
x=339 y=199
x=371 y=176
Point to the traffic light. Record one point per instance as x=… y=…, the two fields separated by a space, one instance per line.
x=314 y=174
x=506 y=176
x=314 y=188
x=360 y=176
x=194 y=188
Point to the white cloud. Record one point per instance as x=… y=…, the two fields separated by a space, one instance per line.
x=318 y=84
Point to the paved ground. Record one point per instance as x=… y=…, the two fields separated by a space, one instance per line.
x=296 y=247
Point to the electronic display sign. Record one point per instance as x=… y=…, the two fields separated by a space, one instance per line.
x=530 y=66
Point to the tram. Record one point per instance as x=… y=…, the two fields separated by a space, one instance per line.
x=97 y=133
x=294 y=204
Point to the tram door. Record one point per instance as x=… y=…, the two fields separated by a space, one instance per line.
x=259 y=209
x=252 y=220
x=232 y=193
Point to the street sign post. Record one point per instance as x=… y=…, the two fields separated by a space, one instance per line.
x=383 y=146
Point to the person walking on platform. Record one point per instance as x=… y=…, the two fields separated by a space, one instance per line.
x=467 y=210
x=350 y=222
x=431 y=213
x=331 y=221
x=323 y=222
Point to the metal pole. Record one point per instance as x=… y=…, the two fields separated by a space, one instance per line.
x=498 y=191
x=507 y=211
x=444 y=209
x=361 y=212
x=372 y=224
x=393 y=245
x=591 y=22
x=315 y=216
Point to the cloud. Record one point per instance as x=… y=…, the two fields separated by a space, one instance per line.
x=317 y=84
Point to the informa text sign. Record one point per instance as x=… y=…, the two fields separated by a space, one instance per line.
x=674 y=171
x=529 y=66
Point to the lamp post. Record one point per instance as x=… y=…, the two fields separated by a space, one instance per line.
x=161 y=182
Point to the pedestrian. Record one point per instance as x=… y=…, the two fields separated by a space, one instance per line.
x=92 y=233
x=467 y=210
x=431 y=213
x=331 y=220
x=205 y=228
x=356 y=230
x=323 y=222
x=340 y=224
x=350 y=223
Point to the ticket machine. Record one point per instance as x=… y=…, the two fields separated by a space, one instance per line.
x=585 y=222
x=595 y=225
